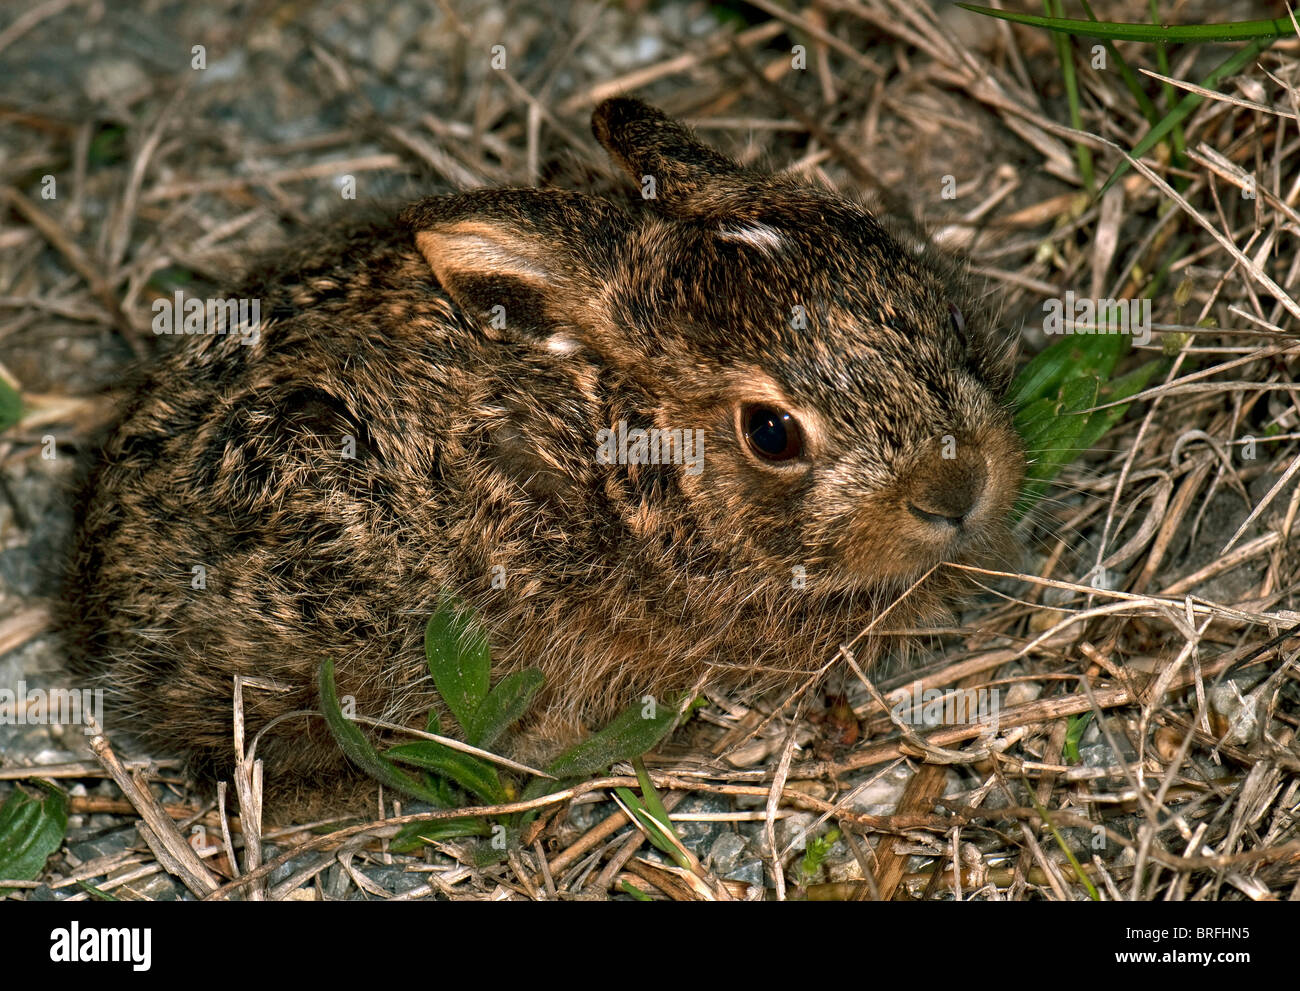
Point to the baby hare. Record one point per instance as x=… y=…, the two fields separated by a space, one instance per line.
x=695 y=443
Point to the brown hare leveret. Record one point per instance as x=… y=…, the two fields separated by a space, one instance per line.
x=701 y=441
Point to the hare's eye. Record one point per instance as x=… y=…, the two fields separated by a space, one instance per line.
x=771 y=433
x=958 y=322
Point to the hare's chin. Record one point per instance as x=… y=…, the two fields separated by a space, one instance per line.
x=912 y=551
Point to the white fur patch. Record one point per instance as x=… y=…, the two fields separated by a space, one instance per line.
x=561 y=344
x=758 y=236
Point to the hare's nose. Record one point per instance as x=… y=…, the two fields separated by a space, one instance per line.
x=949 y=482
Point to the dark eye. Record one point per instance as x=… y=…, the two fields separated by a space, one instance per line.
x=771 y=433
x=958 y=322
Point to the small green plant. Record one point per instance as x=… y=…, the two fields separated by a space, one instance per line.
x=1055 y=396
x=11 y=405
x=815 y=853
x=108 y=146
x=31 y=828
x=460 y=663
x=1074 y=729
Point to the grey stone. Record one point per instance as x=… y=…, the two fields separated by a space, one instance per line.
x=699 y=837
x=726 y=851
x=750 y=871
x=111 y=78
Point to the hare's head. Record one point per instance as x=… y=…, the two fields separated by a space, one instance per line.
x=844 y=379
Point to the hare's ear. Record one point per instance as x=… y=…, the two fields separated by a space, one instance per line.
x=521 y=260
x=675 y=170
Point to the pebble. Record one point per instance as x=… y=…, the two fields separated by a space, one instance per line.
x=110 y=79
x=725 y=853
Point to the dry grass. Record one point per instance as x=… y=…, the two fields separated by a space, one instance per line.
x=1159 y=584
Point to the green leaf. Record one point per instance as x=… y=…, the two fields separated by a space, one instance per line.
x=11 y=405
x=415 y=835
x=1120 y=388
x=1074 y=728
x=98 y=894
x=1071 y=356
x=1162 y=34
x=1054 y=422
x=1052 y=439
x=358 y=749
x=470 y=772
x=1034 y=420
x=630 y=735
x=31 y=828
x=1055 y=430
x=503 y=706
x=631 y=889
x=448 y=795
x=459 y=659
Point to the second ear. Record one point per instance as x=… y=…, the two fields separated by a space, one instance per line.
x=519 y=260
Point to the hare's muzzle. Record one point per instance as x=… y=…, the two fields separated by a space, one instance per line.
x=946 y=491
x=962 y=484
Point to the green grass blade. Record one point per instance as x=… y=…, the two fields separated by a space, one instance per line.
x=1186 y=105
x=97 y=893
x=1065 y=55
x=652 y=800
x=1162 y=63
x=1126 y=72
x=1064 y=847
x=11 y=405
x=655 y=829
x=1193 y=34
x=631 y=889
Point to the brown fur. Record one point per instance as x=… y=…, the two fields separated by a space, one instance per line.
x=476 y=448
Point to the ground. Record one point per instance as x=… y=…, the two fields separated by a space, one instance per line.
x=151 y=146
